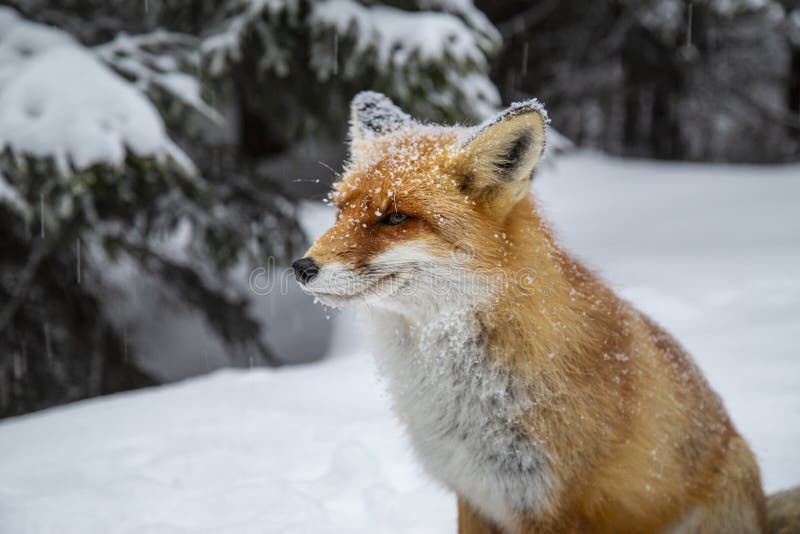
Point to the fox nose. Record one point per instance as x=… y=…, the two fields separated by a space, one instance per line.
x=305 y=270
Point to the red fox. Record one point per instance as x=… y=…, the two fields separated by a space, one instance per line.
x=543 y=400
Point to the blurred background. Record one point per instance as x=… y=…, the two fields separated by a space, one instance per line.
x=156 y=155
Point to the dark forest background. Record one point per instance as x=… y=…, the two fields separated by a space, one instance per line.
x=687 y=80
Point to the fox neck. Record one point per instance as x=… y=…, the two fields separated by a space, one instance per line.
x=552 y=307
x=534 y=293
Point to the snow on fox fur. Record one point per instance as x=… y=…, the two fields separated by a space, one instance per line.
x=543 y=400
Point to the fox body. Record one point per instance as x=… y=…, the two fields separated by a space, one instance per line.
x=544 y=401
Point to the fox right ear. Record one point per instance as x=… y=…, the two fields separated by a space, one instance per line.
x=498 y=160
x=374 y=114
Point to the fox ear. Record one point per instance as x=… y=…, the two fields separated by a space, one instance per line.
x=499 y=159
x=373 y=114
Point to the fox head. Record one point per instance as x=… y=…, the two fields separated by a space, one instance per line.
x=422 y=208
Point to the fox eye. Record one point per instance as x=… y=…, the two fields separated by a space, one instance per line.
x=393 y=219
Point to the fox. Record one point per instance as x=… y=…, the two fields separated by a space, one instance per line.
x=545 y=402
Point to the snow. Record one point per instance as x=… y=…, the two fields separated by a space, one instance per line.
x=517 y=108
x=477 y=89
x=20 y=40
x=403 y=43
x=793 y=23
x=57 y=100
x=11 y=197
x=668 y=17
x=187 y=88
x=402 y=47
x=234 y=452
x=397 y=36
x=375 y=114
x=227 y=41
x=711 y=252
x=137 y=58
x=733 y=7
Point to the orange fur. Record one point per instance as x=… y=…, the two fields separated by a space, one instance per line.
x=637 y=439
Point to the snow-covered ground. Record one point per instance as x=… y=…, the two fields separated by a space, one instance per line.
x=712 y=252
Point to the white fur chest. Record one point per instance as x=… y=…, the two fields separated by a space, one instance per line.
x=461 y=412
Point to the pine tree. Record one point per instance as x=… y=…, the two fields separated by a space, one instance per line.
x=118 y=156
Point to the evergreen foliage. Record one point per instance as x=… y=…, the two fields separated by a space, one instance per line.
x=154 y=119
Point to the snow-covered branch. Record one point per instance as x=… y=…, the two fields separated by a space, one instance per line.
x=440 y=49
x=160 y=61
x=59 y=102
x=11 y=197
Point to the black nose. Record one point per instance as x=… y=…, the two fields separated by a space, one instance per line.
x=305 y=270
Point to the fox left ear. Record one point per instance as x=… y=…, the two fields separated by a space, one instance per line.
x=373 y=114
x=499 y=159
